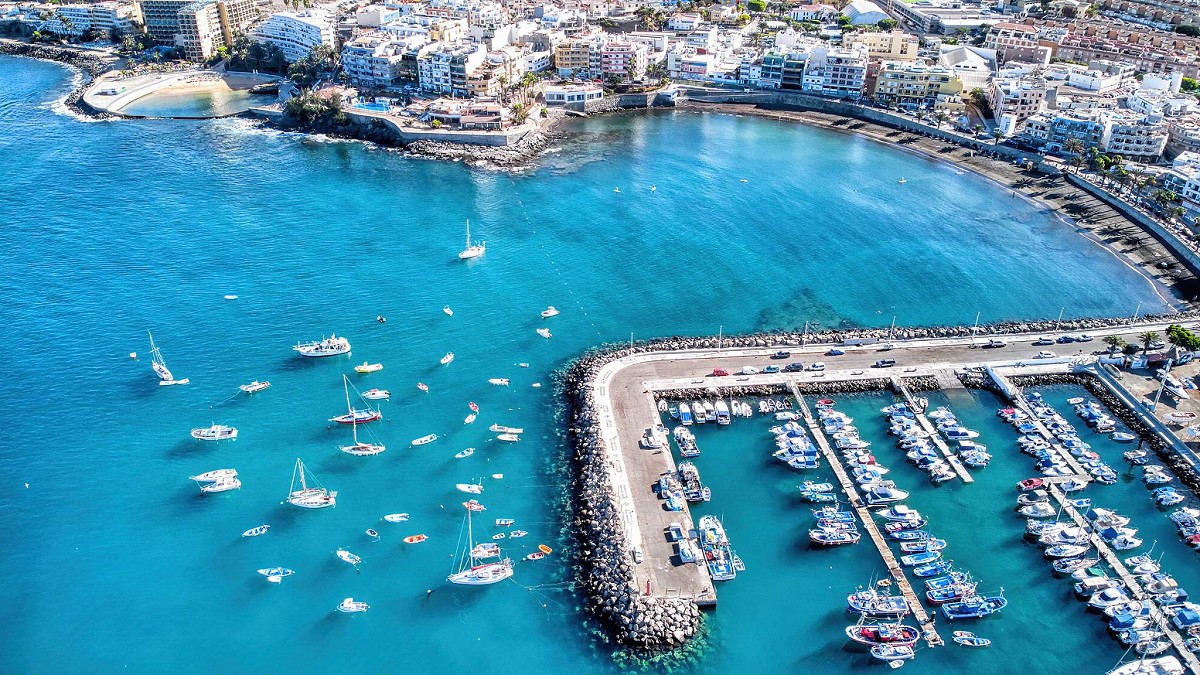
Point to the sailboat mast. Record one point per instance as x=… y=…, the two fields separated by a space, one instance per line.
x=303 y=483
x=468 y=233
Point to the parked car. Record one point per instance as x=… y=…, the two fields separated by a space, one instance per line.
x=771 y=369
x=1065 y=339
x=835 y=352
x=781 y=355
x=1046 y=354
x=793 y=367
x=887 y=347
x=1042 y=341
x=720 y=372
x=885 y=363
x=1158 y=345
x=816 y=366
x=993 y=344
x=749 y=370
x=1083 y=338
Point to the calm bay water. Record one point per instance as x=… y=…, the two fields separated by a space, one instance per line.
x=113 y=228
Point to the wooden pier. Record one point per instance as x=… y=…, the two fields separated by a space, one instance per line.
x=951 y=458
x=889 y=559
x=1019 y=401
x=1135 y=587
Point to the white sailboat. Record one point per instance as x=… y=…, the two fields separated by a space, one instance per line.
x=472 y=571
x=358 y=448
x=309 y=497
x=471 y=251
x=160 y=366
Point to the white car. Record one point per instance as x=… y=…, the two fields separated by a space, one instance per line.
x=749 y=370
x=1046 y=355
x=816 y=366
x=1043 y=341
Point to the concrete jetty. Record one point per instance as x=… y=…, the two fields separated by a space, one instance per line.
x=1021 y=404
x=919 y=413
x=889 y=559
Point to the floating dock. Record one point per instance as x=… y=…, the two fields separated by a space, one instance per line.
x=928 y=630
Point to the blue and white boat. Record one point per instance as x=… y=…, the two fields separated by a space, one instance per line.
x=685 y=414
x=830 y=537
x=716 y=549
x=871 y=603
x=947 y=581
x=910 y=535
x=920 y=558
x=952 y=593
x=933 y=570
x=974 y=608
x=831 y=513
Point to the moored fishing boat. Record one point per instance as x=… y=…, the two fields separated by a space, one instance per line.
x=254 y=386
x=464 y=453
x=364 y=368
x=429 y=438
x=974 y=607
x=715 y=544
x=352 y=606
x=376 y=394
x=883 y=634
x=969 y=639
x=871 y=603
x=892 y=653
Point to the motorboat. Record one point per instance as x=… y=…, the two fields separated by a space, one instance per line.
x=885 y=495
x=376 y=394
x=352 y=606
x=504 y=522
x=893 y=653
x=499 y=381
x=347 y=556
x=396 y=517
x=974 y=608
x=331 y=346
x=472 y=250
x=308 y=496
x=256 y=531
x=1163 y=665
x=501 y=429
x=1122 y=437
x=469 y=419
x=429 y=438
x=951 y=579
x=832 y=537
x=969 y=639
x=909 y=535
x=1180 y=418
x=932 y=570
x=952 y=593
x=1030 y=484
x=464 y=453
x=544 y=332
x=415 y=539
x=517 y=534
x=715 y=545
x=871 y=603
x=364 y=368
x=445 y=360
x=254 y=386
x=549 y=312
x=1107 y=597
x=447 y=311
x=1038 y=510
x=469 y=488
x=276 y=574
x=216 y=432
x=214 y=476
x=1167 y=496
x=883 y=634
x=920 y=558
x=923 y=545
x=486 y=550
x=1066 y=551
x=536 y=555
x=508 y=438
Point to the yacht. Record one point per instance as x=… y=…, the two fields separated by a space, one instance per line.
x=223 y=485
x=885 y=495
x=306 y=496
x=254 y=387
x=472 y=571
x=331 y=346
x=364 y=368
x=214 y=476
x=472 y=251
x=216 y=432
x=549 y=312
x=351 y=606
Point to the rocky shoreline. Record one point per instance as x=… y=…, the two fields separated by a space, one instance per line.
x=90 y=63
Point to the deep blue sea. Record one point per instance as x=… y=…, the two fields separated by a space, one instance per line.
x=113 y=560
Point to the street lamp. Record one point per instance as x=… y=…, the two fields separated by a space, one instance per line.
x=1059 y=319
x=1166 y=372
x=975 y=328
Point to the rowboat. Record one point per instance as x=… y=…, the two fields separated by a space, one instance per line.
x=415 y=539
x=465 y=453
x=396 y=517
x=425 y=439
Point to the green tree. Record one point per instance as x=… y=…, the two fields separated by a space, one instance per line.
x=1188 y=30
x=756 y=5
x=940 y=116
x=1148 y=338
x=1189 y=84
x=1183 y=338
x=1114 y=342
x=888 y=24
x=1073 y=146
x=997 y=135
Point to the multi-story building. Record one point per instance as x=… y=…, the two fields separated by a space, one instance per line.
x=973 y=65
x=813 y=12
x=623 y=60
x=915 y=84
x=101 y=17
x=1015 y=99
x=161 y=18
x=1102 y=76
x=446 y=67
x=296 y=33
x=379 y=61
x=1183 y=134
x=205 y=26
x=572 y=93
x=1119 y=132
x=836 y=72
x=895 y=45
x=572 y=57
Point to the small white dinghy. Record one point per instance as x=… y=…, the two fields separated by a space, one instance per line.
x=448 y=311
x=351 y=606
x=365 y=367
x=396 y=517
x=469 y=488
x=499 y=381
x=508 y=438
x=544 y=332
x=376 y=394
x=447 y=358
x=348 y=556
x=549 y=312
x=469 y=419
x=465 y=453
x=425 y=439
x=254 y=386
x=256 y=531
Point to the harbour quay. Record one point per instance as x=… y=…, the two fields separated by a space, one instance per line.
x=641 y=556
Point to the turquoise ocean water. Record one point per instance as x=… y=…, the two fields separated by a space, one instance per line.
x=112 y=228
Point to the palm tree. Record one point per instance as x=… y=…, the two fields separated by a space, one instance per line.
x=940 y=116
x=1148 y=338
x=1073 y=146
x=998 y=135
x=1114 y=342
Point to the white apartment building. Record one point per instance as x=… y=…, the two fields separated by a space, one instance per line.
x=379 y=60
x=572 y=93
x=836 y=72
x=1110 y=131
x=623 y=60
x=446 y=67
x=1014 y=99
x=296 y=33
x=102 y=17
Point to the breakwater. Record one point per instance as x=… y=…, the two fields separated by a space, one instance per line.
x=602 y=549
